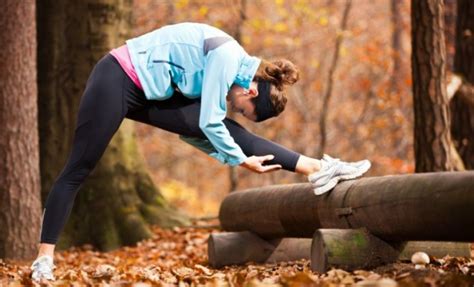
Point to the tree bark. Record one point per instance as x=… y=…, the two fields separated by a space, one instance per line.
x=462 y=127
x=393 y=208
x=434 y=150
x=118 y=199
x=20 y=204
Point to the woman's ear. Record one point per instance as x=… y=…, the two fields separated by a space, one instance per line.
x=253 y=92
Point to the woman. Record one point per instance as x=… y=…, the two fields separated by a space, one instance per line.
x=180 y=78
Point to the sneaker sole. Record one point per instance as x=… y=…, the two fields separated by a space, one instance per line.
x=363 y=169
x=327 y=187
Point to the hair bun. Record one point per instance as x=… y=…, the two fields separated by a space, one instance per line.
x=287 y=74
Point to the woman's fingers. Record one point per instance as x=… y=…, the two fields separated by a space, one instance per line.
x=266 y=157
x=267 y=168
x=255 y=163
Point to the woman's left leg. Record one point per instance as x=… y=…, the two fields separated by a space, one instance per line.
x=181 y=115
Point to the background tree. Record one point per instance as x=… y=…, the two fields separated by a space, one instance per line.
x=233 y=176
x=397 y=30
x=462 y=105
x=434 y=150
x=20 y=205
x=118 y=199
x=330 y=82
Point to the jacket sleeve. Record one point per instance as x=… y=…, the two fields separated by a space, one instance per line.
x=221 y=69
x=203 y=145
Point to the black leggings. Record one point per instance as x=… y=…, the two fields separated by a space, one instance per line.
x=109 y=97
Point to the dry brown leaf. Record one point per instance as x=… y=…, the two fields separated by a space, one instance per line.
x=104 y=271
x=204 y=270
x=182 y=272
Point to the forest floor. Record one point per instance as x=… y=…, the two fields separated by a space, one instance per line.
x=178 y=257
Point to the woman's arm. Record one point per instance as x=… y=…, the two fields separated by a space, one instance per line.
x=219 y=74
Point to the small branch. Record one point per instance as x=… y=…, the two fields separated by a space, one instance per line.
x=453 y=86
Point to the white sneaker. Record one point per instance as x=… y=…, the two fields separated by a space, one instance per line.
x=333 y=170
x=42 y=268
x=362 y=167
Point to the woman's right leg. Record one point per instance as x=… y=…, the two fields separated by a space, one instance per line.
x=102 y=108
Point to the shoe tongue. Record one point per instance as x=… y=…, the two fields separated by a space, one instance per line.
x=324 y=164
x=329 y=159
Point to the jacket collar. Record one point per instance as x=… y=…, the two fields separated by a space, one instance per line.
x=247 y=70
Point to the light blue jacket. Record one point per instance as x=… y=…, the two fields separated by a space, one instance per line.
x=201 y=61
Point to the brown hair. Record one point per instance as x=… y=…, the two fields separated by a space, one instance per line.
x=280 y=73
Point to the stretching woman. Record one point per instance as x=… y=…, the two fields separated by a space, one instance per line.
x=180 y=78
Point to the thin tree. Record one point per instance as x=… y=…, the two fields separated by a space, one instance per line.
x=397 y=30
x=233 y=178
x=330 y=81
x=462 y=105
x=20 y=204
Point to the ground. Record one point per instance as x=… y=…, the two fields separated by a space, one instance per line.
x=179 y=257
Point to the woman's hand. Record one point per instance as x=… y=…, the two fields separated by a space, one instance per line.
x=254 y=163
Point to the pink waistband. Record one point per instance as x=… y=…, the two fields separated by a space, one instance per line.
x=123 y=57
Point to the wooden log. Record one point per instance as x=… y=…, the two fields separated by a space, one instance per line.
x=238 y=248
x=229 y=248
x=349 y=250
x=437 y=249
x=358 y=249
x=422 y=207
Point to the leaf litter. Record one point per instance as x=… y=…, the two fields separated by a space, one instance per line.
x=178 y=257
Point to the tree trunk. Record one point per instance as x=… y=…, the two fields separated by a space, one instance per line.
x=434 y=150
x=118 y=199
x=20 y=205
x=462 y=127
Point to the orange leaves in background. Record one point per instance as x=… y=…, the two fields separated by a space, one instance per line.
x=366 y=118
x=187 y=198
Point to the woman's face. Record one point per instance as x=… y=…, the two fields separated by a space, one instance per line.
x=240 y=100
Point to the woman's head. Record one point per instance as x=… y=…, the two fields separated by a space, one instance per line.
x=273 y=78
x=266 y=96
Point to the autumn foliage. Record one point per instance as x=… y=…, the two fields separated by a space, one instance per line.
x=367 y=116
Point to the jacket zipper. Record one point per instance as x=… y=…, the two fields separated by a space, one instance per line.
x=173 y=64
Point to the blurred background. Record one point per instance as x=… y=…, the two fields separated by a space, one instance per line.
x=369 y=113
x=362 y=94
